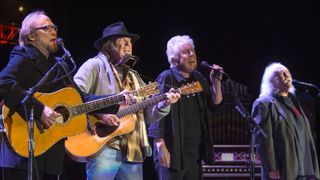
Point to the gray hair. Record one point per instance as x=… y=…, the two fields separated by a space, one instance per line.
x=174 y=45
x=267 y=88
x=27 y=26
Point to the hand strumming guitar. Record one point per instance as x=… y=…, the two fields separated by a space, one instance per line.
x=49 y=117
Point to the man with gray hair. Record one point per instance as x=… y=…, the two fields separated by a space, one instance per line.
x=288 y=152
x=183 y=138
x=29 y=62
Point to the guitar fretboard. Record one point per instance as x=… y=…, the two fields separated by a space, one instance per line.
x=141 y=105
x=98 y=104
x=187 y=89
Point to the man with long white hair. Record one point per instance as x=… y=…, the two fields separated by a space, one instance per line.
x=288 y=152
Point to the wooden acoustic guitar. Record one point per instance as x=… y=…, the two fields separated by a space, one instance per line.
x=87 y=145
x=73 y=119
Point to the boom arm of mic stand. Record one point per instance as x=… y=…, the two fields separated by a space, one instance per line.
x=306 y=85
x=316 y=87
x=248 y=117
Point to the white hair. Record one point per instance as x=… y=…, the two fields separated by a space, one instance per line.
x=28 y=25
x=267 y=87
x=174 y=46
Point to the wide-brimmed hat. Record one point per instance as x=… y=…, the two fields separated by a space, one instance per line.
x=114 y=30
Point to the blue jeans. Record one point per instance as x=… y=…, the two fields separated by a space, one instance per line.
x=109 y=164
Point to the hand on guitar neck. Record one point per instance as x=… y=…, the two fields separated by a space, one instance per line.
x=112 y=120
x=130 y=98
x=172 y=97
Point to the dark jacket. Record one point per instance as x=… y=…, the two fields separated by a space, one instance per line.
x=278 y=150
x=170 y=128
x=25 y=68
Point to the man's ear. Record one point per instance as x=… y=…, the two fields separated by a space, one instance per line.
x=31 y=37
x=175 y=61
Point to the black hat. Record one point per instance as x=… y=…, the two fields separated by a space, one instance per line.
x=114 y=30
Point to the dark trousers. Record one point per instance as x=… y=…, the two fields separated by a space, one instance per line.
x=22 y=174
x=191 y=170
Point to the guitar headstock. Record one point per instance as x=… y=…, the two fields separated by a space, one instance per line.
x=149 y=89
x=191 y=88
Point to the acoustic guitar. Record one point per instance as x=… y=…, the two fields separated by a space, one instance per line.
x=73 y=119
x=87 y=145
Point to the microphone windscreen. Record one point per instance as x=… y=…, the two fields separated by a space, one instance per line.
x=60 y=42
x=205 y=64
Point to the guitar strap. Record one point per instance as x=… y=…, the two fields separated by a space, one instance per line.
x=1 y=127
x=119 y=142
x=173 y=79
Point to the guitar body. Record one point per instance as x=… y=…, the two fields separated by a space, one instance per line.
x=86 y=145
x=16 y=128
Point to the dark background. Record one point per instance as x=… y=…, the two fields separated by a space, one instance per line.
x=243 y=36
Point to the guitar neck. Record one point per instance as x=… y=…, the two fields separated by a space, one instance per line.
x=141 y=105
x=187 y=89
x=98 y=104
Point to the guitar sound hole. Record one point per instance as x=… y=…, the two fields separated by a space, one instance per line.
x=63 y=111
x=103 y=130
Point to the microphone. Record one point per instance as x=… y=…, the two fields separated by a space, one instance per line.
x=66 y=52
x=296 y=82
x=126 y=60
x=205 y=64
x=132 y=57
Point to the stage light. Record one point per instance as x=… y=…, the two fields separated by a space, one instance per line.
x=21 y=8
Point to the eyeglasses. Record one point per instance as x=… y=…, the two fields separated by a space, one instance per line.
x=48 y=28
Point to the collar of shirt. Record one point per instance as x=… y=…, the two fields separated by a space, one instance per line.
x=177 y=75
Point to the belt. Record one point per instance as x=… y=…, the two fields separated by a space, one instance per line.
x=114 y=143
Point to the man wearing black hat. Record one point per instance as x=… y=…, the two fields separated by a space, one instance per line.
x=108 y=73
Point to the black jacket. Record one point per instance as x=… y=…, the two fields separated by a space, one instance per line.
x=170 y=128
x=25 y=68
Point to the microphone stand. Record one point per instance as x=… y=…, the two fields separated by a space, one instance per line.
x=30 y=98
x=2 y=130
x=253 y=127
